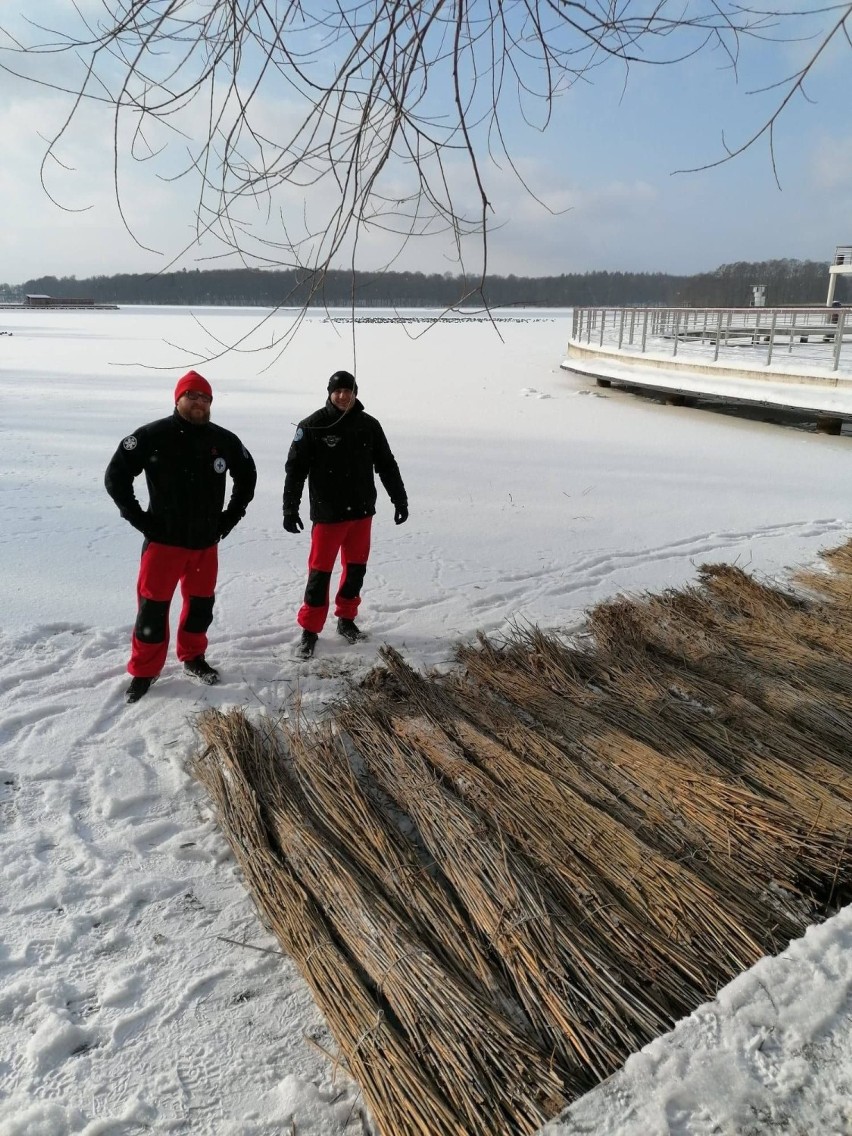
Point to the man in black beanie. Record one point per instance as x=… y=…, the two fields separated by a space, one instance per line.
x=337 y=449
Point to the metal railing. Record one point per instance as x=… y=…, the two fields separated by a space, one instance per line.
x=813 y=337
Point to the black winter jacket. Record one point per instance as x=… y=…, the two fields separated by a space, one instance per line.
x=337 y=452
x=185 y=467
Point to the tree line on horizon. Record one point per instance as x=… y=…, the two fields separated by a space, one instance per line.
x=788 y=282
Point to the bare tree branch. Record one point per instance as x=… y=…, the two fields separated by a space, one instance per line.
x=308 y=129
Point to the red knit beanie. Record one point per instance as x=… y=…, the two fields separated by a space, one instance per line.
x=192 y=381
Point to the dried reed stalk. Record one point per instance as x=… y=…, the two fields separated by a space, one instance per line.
x=403 y=1099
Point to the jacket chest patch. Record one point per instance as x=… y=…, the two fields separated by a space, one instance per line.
x=331 y=440
x=220 y=465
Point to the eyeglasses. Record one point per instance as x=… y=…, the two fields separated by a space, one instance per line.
x=197 y=396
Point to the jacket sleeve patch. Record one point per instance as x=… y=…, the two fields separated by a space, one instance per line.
x=130 y=442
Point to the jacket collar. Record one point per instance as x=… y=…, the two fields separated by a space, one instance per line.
x=191 y=427
x=356 y=408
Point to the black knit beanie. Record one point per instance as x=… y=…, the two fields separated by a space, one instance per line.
x=342 y=380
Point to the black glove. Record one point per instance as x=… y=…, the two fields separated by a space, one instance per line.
x=140 y=520
x=226 y=523
x=400 y=514
x=293 y=522
x=148 y=528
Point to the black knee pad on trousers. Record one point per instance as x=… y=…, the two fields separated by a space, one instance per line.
x=350 y=589
x=316 y=591
x=200 y=614
x=151 y=619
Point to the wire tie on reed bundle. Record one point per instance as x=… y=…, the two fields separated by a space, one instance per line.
x=507 y=924
x=391 y=872
x=408 y=954
x=372 y=1033
x=314 y=950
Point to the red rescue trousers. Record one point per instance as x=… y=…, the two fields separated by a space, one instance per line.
x=162 y=567
x=352 y=540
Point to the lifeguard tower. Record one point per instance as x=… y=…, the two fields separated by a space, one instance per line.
x=758 y=296
x=841 y=266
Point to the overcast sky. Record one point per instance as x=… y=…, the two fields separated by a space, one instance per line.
x=606 y=164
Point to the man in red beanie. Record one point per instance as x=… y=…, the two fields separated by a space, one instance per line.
x=337 y=449
x=185 y=459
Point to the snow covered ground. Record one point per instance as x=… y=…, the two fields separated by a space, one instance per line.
x=138 y=992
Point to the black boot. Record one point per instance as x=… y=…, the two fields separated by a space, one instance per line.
x=349 y=630
x=199 y=669
x=138 y=688
x=305 y=646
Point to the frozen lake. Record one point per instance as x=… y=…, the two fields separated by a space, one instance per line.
x=126 y=1003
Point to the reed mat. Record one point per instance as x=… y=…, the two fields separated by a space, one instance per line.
x=500 y=881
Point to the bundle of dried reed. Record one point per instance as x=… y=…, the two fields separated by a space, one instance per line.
x=625 y=625
x=780 y=633
x=560 y=979
x=374 y=841
x=836 y=587
x=610 y=829
x=492 y=1075
x=840 y=559
x=486 y=775
x=584 y=757
x=729 y=727
x=811 y=850
x=710 y=921
x=542 y=676
x=603 y=949
x=685 y=813
x=540 y=673
x=764 y=644
x=403 y=1099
